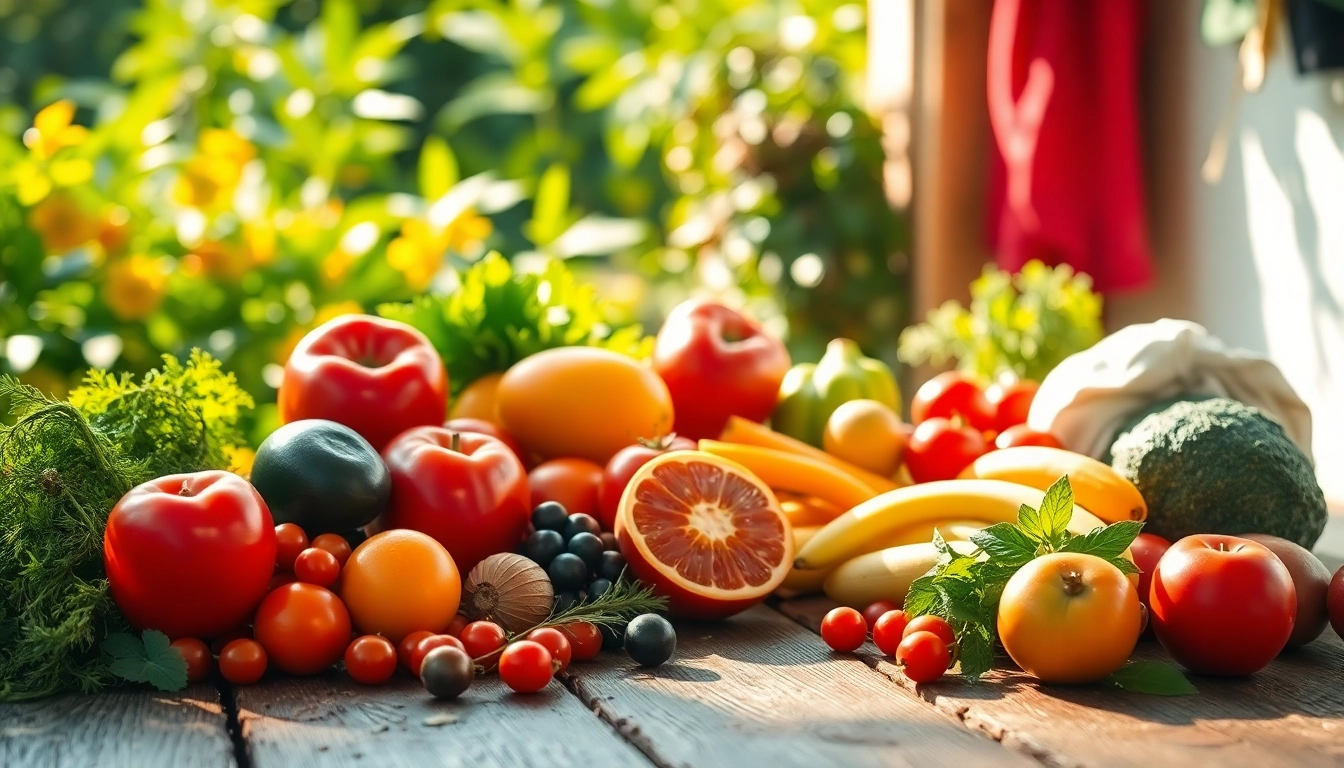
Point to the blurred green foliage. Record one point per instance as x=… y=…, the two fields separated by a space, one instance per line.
x=228 y=173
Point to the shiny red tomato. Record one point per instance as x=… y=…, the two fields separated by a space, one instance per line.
x=336 y=544
x=1010 y=402
x=304 y=628
x=572 y=482
x=717 y=363
x=940 y=450
x=378 y=377
x=290 y=540
x=1147 y=549
x=936 y=625
x=952 y=394
x=1021 y=434
x=406 y=647
x=483 y=641
x=889 y=630
x=874 y=611
x=556 y=642
x=923 y=656
x=483 y=427
x=844 y=629
x=526 y=666
x=428 y=644
x=317 y=566
x=242 y=662
x=190 y=555
x=197 y=655
x=466 y=490
x=623 y=466
x=585 y=640
x=1222 y=605
x=459 y=623
x=371 y=659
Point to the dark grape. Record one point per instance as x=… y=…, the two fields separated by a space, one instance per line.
x=581 y=523
x=650 y=640
x=598 y=588
x=609 y=542
x=550 y=516
x=567 y=572
x=589 y=549
x=612 y=637
x=566 y=600
x=446 y=672
x=543 y=545
x=612 y=566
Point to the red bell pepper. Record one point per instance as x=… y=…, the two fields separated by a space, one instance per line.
x=378 y=377
x=465 y=489
x=717 y=363
x=190 y=555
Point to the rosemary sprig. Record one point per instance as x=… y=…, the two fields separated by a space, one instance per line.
x=624 y=601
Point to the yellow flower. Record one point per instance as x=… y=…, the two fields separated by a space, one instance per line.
x=114 y=230
x=209 y=179
x=240 y=459
x=336 y=266
x=416 y=260
x=52 y=131
x=469 y=231
x=61 y=224
x=222 y=260
x=259 y=237
x=418 y=252
x=134 y=286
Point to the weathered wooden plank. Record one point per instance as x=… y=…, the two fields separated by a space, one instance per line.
x=1290 y=714
x=331 y=721
x=758 y=690
x=134 y=729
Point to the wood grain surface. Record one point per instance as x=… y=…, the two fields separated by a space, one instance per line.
x=130 y=729
x=332 y=721
x=758 y=690
x=1290 y=714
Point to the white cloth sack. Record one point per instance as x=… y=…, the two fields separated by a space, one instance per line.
x=1088 y=397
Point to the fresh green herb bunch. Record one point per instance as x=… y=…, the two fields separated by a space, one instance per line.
x=1024 y=324
x=498 y=316
x=63 y=465
x=964 y=589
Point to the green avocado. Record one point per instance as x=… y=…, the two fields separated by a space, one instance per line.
x=1219 y=466
x=321 y=476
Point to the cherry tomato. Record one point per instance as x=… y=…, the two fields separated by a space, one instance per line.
x=952 y=394
x=1021 y=434
x=1147 y=549
x=290 y=540
x=556 y=642
x=428 y=644
x=585 y=640
x=1010 y=402
x=940 y=450
x=874 y=611
x=304 y=628
x=623 y=466
x=334 y=543
x=526 y=666
x=317 y=566
x=923 y=656
x=1222 y=605
x=242 y=662
x=889 y=631
x=407 y=647
x=371 y=659
x=844 y=629
x=217 y=645
x=930 y=623
x=572 y=482
x=197 y=655
x=458 y=624
x=482 y=641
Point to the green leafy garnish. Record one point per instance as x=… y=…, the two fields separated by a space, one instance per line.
x=1025 y=324
x=625 y=600
x=146 y=659
x=1156 y=678
x=498 y=317
x=964 y=589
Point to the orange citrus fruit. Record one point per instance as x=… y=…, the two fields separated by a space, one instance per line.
x=477 y=400
x=400 y=581
x=704 y=532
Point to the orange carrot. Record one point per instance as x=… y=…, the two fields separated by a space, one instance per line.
x=796 y=473
x=746 y=432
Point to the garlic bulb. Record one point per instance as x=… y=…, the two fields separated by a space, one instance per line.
x=510 y=590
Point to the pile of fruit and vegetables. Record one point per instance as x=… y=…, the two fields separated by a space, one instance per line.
x=494 y=482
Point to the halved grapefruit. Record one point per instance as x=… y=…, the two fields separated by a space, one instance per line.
x=704 y=532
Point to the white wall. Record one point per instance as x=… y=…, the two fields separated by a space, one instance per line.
x=1258 y=257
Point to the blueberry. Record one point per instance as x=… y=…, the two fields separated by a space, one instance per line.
x=565 y=600
x=567 y=572
x=612 y=637
x=598 y=588
x=612 y=566
x=543 y=545
x=550 y=516
x=589 y=549
x=650 y=640
x=581 y=523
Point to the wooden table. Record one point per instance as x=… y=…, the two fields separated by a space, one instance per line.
x=758 y=690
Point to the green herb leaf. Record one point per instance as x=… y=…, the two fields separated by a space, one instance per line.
x=1005 y=542
x=1106 y=543
x=1029 y=523
x=1157 y=678
x=1056 y=511
x=975 y=649
x=1126 y=567
x=922 y=597
x=149 y=658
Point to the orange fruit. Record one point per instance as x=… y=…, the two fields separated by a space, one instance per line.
x=582 y=402
x=477 y=400
x=704 y=532
x=572 y=482
x=867 y=434
x=400 y=581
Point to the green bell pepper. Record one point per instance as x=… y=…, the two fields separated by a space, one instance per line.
x=810 y=392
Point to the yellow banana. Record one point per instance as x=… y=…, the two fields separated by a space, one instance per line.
x=800 y=582
x=993 y=501
x=885 y=574
x=1096 y=487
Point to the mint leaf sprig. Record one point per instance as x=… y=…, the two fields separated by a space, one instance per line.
x=964 y=589
x=146 y=659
